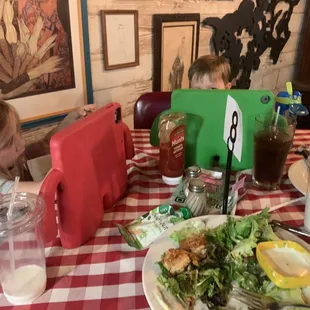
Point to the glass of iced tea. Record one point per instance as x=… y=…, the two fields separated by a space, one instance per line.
x=271 y=146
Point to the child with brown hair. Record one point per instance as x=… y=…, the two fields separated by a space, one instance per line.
x=206 y=72
x=210 y=72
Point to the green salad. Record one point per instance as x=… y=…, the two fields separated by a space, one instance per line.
x=207 y=263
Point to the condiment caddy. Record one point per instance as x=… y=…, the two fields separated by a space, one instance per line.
x=212 y=182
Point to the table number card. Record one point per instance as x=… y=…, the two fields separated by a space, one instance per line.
x=233 y=127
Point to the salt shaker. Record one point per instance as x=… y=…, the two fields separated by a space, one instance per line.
x=196 y=199
x=191 y=173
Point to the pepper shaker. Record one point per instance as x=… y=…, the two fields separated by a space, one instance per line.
x=191 y=173
x=196 y=199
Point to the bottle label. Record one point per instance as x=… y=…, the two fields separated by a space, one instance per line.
x=177 y=138
x=171 y=157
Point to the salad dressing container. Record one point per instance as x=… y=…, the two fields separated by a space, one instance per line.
x=286 y=263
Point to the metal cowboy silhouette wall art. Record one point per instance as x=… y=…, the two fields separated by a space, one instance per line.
x=267 y=24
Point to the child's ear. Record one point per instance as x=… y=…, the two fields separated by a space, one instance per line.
x=228 y=86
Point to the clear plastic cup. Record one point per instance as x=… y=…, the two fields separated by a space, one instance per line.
x=22 y=256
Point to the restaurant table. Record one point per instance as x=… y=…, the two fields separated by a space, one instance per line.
x=105 y=273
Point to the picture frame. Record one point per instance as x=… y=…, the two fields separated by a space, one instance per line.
x=120 y=36
x=172 y=59
x=37 y=110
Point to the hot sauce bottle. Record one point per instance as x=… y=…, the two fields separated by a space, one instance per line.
x=172 y=147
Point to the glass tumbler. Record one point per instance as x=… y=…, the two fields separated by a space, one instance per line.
x=272 y=142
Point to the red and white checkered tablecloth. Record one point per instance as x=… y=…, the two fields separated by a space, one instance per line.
x=256 y=200
x=105 y=273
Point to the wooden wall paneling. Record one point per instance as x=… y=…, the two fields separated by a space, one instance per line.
x=124 y=84
x=302 y=82
x=125 y=94
x=304 y=69
x=215 y=8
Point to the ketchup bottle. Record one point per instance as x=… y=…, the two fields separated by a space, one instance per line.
x=172 y=147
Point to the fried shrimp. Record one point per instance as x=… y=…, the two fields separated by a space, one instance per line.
x=176 y=260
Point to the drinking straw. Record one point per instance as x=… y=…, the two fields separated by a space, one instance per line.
x=276 y=119
x=12 y=200
x=289 y=89
x=9 y=216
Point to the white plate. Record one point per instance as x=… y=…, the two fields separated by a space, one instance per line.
x=298 y=175
x=150 y=270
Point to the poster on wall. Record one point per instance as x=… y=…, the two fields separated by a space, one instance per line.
x=41 y=71
x=176 y=41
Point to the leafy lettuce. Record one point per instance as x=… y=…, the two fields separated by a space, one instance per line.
x=230 y=260
x=191 y=228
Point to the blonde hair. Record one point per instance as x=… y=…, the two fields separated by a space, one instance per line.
x=9 y=124
x=9 y=127
x=216 y=67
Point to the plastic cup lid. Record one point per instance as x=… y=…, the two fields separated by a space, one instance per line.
x=27 y=212
x=299 y=109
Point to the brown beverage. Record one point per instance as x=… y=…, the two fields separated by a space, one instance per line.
x=270 y=152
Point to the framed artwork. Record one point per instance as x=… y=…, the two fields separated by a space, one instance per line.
x=176 y=42
x=42 y=60
x=120 y=34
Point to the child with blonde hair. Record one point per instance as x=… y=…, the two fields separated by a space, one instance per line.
x=14 y=153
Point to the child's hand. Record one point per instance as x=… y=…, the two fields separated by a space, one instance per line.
x=84 y=110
